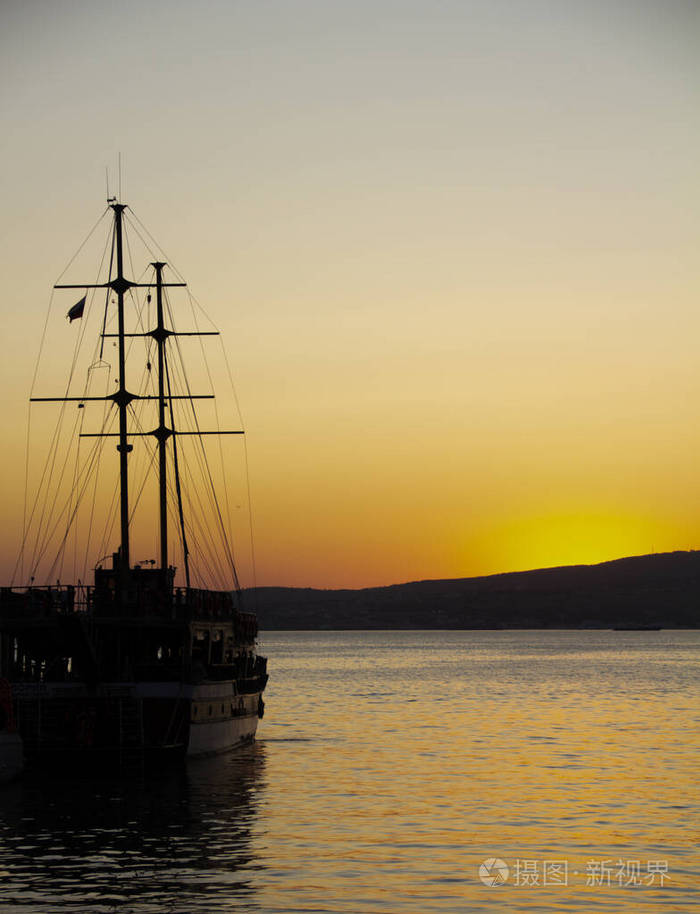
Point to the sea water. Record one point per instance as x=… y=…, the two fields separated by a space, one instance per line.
x=399 y=772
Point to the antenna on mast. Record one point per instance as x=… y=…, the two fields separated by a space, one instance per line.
x=120 y=177
x=110 y=200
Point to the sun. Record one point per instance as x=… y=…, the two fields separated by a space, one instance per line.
x=573 y=537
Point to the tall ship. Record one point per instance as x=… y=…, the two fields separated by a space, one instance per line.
x=135 y=660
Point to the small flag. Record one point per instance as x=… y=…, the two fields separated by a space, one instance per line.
x=77 y=310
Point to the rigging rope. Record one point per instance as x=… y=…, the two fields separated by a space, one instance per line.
x=185 y=550
x=26 y=523
x=106 y=415
x=206 y=470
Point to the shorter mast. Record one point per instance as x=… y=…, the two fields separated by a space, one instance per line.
x=162 y=433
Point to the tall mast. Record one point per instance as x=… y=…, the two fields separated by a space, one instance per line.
x=122 y=398
x=162 y=433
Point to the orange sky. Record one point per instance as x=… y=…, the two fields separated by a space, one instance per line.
x=452 y=249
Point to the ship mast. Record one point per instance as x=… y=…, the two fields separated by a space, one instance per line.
x=162 y=433
x=122 y=398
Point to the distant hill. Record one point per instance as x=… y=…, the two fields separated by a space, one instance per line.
x=648 y=590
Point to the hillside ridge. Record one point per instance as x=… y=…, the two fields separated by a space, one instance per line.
x=661 y=589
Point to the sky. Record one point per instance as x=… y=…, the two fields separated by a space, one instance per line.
x=452 y=248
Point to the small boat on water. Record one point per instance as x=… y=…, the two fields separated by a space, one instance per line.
x=145 y=661
x=636 y=628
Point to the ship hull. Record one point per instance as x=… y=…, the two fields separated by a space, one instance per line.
x=121 y=723
x=221 y=719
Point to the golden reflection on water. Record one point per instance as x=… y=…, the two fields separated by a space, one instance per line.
x=398 y=762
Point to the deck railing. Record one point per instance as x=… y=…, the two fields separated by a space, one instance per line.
x=185 y=604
